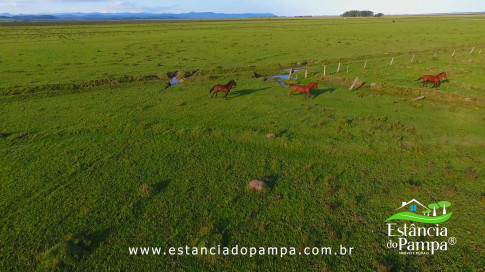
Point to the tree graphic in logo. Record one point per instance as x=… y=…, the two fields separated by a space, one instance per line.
x=413 y=206
x=433 y=206
x=444 y=204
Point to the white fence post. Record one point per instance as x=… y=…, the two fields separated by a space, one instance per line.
x=353 y=84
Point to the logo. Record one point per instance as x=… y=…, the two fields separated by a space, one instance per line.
x=426 y=217
x=415 y=239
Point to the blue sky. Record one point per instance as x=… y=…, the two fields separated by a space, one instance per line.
x=278 y=7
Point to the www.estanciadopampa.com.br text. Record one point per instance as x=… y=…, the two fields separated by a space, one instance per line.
x=238 y=251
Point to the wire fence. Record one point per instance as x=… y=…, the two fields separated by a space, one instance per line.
x=342 y=66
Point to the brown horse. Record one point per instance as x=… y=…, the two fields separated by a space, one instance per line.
x=223 y=88
x=435 y=79
x=303 y=88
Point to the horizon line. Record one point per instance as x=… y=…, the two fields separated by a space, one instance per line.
x=189 y=12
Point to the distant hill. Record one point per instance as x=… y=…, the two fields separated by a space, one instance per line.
x=128 y=16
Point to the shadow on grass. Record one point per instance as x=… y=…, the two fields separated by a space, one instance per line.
x=271 y=181
x=139 y=207
x=65 y=255
x=5 y=134
x=443 y=81
x=322 y=91
x=160 y=186
x=361 y=85
x=239 y=93
x=226 y=233
x=96 y=238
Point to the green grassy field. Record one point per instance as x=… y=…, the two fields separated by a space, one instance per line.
x=96 y=156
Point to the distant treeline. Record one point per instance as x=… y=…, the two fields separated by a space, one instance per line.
x=361 y=13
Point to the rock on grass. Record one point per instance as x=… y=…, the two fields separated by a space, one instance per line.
x=257 y=184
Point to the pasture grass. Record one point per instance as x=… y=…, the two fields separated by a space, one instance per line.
x=92 y=170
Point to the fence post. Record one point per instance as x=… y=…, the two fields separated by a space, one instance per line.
x=392 y=60
x=338 y=69
x=365 y=64
x=324 y=70
x=306 y=71
x=473 y=49
x=353 y=84
x=291 y=71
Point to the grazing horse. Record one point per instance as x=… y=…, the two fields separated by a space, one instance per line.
x=436 y=79
x=223 y=88
x=303 y=88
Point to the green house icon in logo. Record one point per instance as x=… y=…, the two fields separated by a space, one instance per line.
x=413 y=209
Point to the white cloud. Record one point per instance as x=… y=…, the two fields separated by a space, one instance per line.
x=123 y=6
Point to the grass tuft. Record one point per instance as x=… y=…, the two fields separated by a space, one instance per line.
x=145 y=190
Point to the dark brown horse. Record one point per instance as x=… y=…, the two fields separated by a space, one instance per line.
x=435 y=79
x=303 y=88
x=223 y=88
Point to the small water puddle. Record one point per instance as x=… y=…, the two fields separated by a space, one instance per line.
x=295 y=69
x=174 y=81
x=279 y=78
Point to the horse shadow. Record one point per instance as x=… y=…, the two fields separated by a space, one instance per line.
x=446 y=80
x=239 y=93
x=322 y=91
